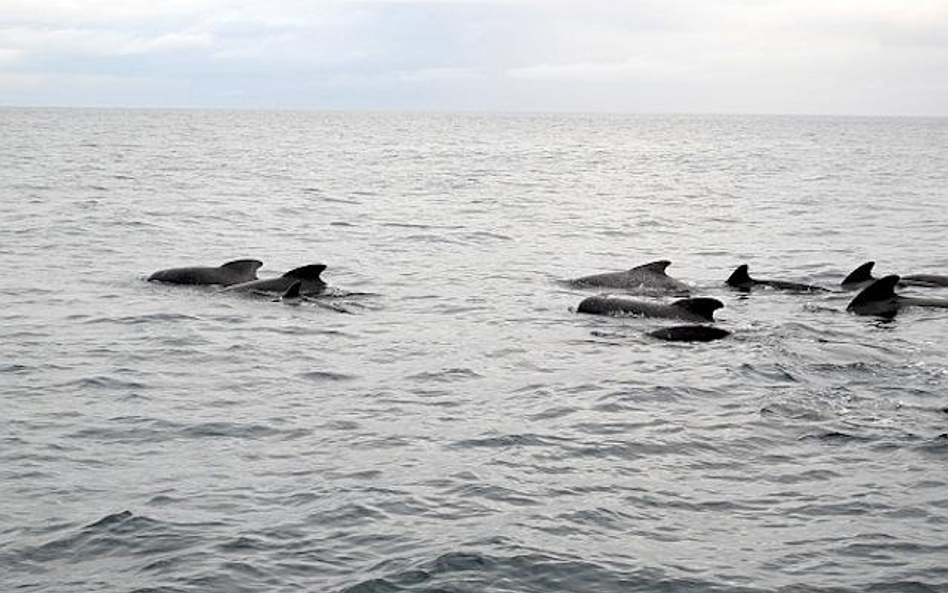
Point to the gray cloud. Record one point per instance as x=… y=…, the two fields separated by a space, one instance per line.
x=836 y=56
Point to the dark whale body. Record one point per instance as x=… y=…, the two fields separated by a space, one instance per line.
x=308 y=277
x=740 y=279
x=862 y=277
x=233 y=272
x=881 y=300
x=925 y=280
x=690 y=333
x=694 y=309
x=648 y=278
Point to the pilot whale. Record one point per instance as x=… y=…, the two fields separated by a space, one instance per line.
x=233 y=272
x=648 y=278
x=694 y=309
x=690 y=333
x=862 y=277
x=924 y=280
x=308 y=277
x=880 y=299
x=740 y=278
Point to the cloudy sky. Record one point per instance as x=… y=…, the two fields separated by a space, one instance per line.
x=695 y=56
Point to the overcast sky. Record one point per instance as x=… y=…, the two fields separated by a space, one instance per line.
x=638 y=56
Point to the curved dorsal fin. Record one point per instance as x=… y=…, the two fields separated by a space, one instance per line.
x=293 y=292
x=740 y=276
x=882 y=289
x=243 y=265
x=701 y=306
x=657 y=266
x=861 y=274
x=310 y=272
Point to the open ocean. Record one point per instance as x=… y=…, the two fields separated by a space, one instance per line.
x=457 y=427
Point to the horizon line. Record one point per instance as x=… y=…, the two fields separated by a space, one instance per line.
x=494 y=112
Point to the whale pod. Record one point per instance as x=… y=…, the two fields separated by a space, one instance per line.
x=862 y=277
x=881 y=300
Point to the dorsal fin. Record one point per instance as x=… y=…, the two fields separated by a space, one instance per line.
x=657 y=266
x=861 y=274
x=293 y=292
x=243 y=265
x=310 y=272
x=701 y=306
x=740 y=276
x=882 y=289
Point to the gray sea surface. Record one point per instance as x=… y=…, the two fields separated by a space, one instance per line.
x=444 y=420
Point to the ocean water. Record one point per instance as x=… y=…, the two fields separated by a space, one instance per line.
x=446 y=422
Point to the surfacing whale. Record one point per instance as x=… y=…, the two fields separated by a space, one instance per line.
x=694 y=309
x=862 y=277
x=690 y=333
x=233 y=272
x=925 y=280
x=648 y=278
x=859 y=278
x=308 y=277
x=740 y=278
x=881 y=300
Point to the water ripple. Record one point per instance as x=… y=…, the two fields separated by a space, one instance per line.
x=462 y=429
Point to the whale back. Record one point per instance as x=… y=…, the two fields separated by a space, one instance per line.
x=860 y=275
x=651 y=278
x=878 y=298
x=690 y=333
x=925 y=280
x=246 y=268
x=646 y=279
x=702 y=307
x=604 y=305
x=308 y=273
x=740 y=277
x=233 y=272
